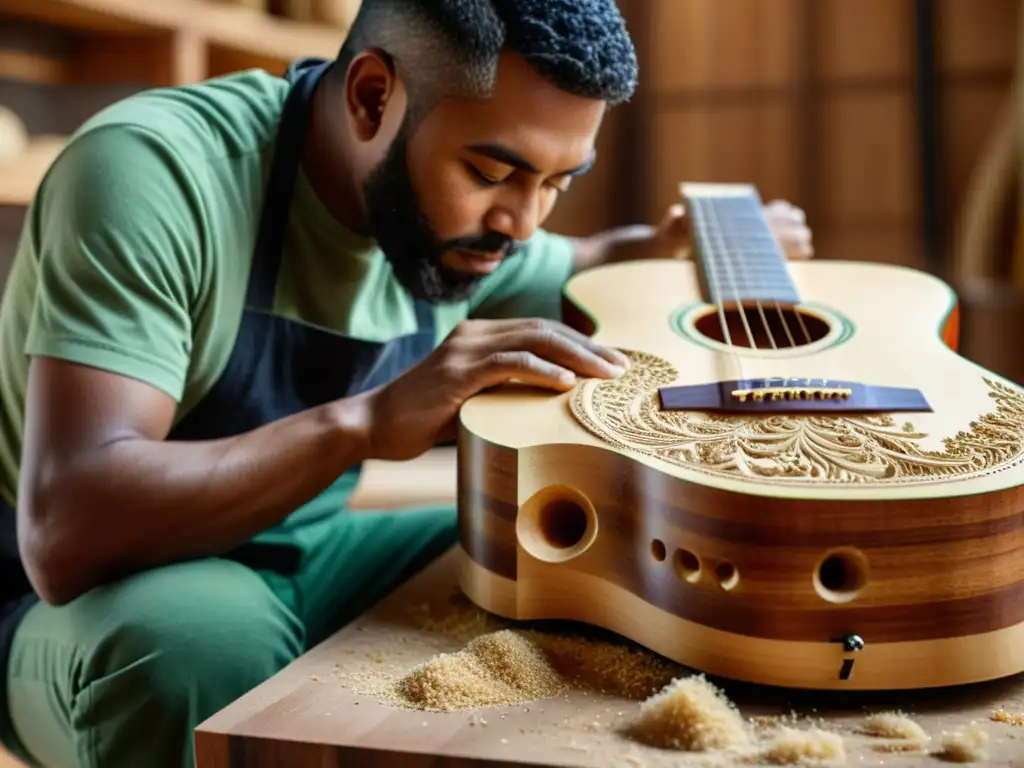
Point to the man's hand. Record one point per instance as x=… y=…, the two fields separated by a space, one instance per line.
x=416 y=411
x=786 y=221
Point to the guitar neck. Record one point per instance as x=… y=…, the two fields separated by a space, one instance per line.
x=739 y=258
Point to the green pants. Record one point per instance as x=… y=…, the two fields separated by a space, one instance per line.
x=120 y=677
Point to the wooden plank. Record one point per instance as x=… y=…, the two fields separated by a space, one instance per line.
x=867 y=166
x=707 y=45
x=31 y=67
x=427 y=480
x=864 y=39
x=321 y=711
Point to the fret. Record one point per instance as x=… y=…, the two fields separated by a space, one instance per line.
x=739 y=257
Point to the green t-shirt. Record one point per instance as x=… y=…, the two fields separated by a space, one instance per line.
x=135 y=254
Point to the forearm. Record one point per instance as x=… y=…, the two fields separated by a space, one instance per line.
x=612 y=245
x=135 y=503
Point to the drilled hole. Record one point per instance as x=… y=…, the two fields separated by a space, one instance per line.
x=728 y=576
x=841 y=576
x=686 y=564
x=563 y=523
x=658 y=550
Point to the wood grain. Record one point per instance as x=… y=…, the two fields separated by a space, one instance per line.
x=311 y=713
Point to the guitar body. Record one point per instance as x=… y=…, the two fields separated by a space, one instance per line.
x=820 y=550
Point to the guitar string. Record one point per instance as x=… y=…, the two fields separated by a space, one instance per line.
x=748 y=280
x=702 y=214
x=727 y=264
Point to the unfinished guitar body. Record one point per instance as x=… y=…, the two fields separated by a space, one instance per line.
x=785 y=527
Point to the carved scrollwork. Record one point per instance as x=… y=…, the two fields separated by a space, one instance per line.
x=854 y=448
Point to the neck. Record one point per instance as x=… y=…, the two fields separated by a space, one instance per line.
x=740 y=260
x=326 y=164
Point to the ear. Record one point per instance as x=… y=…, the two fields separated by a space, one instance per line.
x=370 y=85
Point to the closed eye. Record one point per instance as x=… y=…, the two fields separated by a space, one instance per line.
x=481 y=178
x=561 y=184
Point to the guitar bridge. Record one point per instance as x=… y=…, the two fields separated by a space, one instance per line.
x=791 y=395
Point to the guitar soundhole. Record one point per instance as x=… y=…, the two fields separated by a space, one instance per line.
x=563 y=523
x=770 y=327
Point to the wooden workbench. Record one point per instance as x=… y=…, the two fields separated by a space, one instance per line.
x=321 y=711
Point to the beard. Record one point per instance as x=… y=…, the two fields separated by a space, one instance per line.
x=408 y=241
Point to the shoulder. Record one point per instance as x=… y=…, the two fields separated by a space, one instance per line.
x=218 y=118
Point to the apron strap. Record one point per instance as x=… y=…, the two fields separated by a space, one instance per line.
x=304 y=75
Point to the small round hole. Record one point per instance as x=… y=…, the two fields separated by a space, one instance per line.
x=841 y=576
x=728 y=576
x=658 y=550
x=563 y=523
x=686 y=564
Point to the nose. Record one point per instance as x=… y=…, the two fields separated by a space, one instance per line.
x=516 y=216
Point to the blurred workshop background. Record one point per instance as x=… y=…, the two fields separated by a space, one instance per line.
x=893 y=123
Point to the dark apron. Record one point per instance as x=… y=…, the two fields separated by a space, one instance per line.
x=278 y=367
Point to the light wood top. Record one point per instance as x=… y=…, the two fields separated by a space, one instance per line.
x=311 y=714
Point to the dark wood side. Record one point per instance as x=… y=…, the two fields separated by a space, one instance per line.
x=913 y=548
x=487 y=481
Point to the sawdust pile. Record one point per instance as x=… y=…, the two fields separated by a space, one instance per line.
x=502 y=668
x=906 y=734
x=690 y=714
x=509 y=667
x=964 y=746
x=795 y=747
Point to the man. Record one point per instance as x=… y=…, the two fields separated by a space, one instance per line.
x=229 y=295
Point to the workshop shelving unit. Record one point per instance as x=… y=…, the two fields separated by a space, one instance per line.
x=155 y=42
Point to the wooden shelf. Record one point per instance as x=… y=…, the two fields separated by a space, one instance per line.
x=151 y=43
x=207 y=38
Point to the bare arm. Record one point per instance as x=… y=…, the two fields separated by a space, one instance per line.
x=102 y=494
x=671 y=238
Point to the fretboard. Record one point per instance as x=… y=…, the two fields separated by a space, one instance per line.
x=740 y=260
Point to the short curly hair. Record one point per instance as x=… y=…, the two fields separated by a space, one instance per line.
x=451 y=47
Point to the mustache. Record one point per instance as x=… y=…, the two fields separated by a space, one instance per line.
x=491 y=242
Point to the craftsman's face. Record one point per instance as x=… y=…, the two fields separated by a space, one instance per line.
x=477 y=178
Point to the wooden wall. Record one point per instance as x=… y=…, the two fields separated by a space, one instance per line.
x=814 y=101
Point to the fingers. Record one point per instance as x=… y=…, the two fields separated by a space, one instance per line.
x=783 y=209
x=526 y=367
x=534 y=351
x=788 y=224
x=563 y=350
x=543 y=327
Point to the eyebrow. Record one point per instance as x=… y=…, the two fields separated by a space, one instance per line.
x=510 y=157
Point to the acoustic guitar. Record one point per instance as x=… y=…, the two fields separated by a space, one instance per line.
x=798 y=481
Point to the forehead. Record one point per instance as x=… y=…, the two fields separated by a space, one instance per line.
x=525 y=112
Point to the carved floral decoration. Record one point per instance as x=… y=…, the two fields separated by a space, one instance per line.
x=856 y=448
